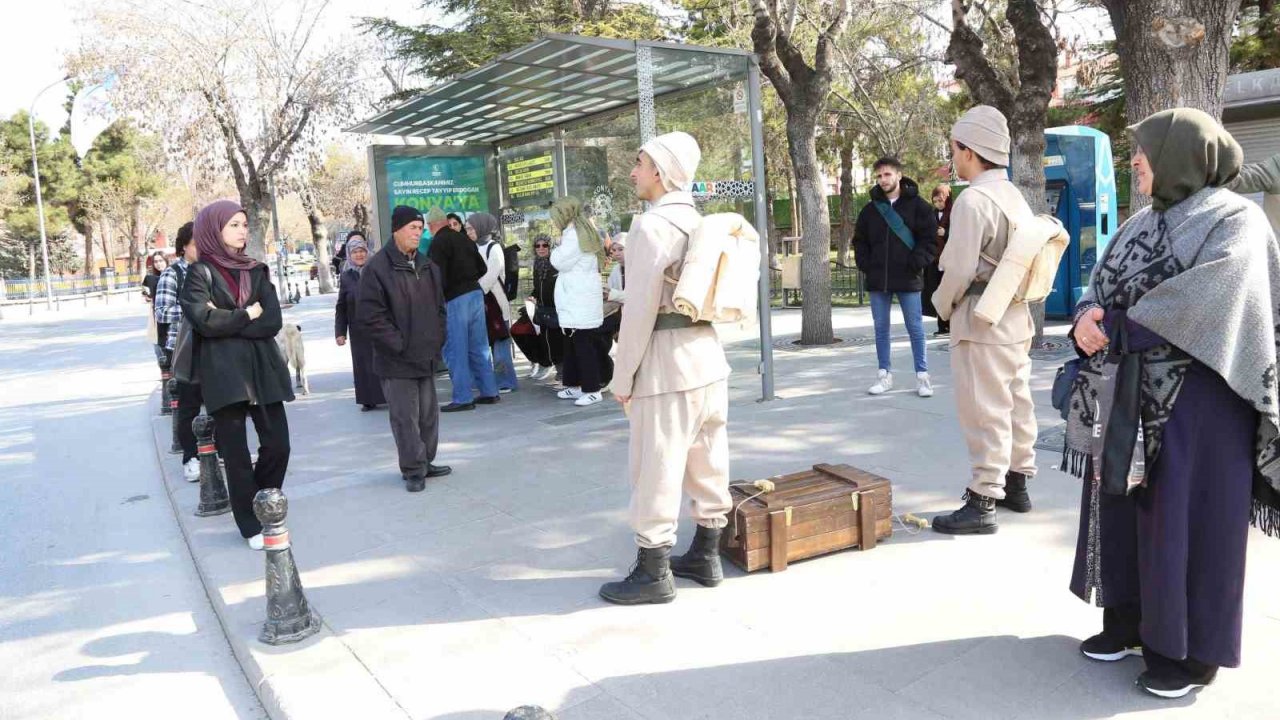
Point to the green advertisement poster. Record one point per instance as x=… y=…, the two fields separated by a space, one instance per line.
x=453 y=184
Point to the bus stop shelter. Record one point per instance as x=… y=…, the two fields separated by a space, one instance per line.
x=565 y=115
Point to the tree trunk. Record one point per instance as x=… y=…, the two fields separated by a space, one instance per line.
x=1173 y=53
x=360 y=214
x=1028 y=175
x=256 y=202
x=319 y=238
x=108 y=251
x=135 y=237
x=846 y=203
x=87 y=231
x=815 y=244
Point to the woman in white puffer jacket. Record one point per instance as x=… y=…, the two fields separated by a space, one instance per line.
x=579 y=302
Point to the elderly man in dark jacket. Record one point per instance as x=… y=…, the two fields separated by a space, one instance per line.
x=894 y=241
x=402 y=307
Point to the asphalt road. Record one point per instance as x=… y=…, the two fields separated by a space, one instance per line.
x=101 y=612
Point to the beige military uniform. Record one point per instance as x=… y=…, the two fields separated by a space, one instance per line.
x=677 y=381
x=990 y=365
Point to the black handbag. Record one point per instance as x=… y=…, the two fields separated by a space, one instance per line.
x=1117 y=444
x=1062 y=383
x=184 y=346
x=546 y=316
x=184 y=355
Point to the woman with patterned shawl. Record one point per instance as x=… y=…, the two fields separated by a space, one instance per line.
x=1191 y=281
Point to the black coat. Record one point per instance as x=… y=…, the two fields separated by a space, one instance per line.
x=236 y=359
x=402 y=309
x=368 y=385
x=459 y=261
x=890 y=266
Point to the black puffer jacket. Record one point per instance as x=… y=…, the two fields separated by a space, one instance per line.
x=401 y=307
x=236 y=359
x=891 y=266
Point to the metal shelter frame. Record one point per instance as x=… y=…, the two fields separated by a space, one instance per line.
x=563 y=81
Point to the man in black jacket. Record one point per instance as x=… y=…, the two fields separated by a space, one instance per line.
x=467 y=350
x=894 y=241
x=402 y=308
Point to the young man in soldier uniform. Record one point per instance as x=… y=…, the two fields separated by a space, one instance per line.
x=671 y=376
x=990 y=364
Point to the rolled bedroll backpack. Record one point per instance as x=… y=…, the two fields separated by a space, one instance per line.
x=720 y=277
x=1025 y=273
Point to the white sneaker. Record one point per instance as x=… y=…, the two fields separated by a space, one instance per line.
x=883 y=385
x=924 y=388
x=533 y=373
x=570 y=393
x=504 y=391
x=191 y=470
x=589 y=399
x=255 y=542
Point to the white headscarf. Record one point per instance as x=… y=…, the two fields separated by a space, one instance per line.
x=676 y=155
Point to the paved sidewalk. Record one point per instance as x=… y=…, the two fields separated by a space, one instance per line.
x=479 y=594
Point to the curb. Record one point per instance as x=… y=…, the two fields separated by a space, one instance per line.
x=318 y=677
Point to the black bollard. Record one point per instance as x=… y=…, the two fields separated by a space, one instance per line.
x=213 y=485
x=289 y=617
x=175 y=447
x=165 y=376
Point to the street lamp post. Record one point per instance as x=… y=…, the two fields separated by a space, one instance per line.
x=35 y=173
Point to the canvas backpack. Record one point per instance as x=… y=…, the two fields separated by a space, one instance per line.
x=1026 y=270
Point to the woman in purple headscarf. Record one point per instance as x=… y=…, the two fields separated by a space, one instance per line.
x=235 y=314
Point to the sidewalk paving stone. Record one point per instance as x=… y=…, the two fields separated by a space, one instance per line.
x=479 y=594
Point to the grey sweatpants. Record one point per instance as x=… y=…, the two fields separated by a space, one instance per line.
x=415 y=422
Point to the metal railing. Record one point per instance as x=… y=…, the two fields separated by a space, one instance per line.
x=24 y=289
x=847 y=287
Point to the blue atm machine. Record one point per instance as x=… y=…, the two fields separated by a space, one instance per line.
x=1080 y=186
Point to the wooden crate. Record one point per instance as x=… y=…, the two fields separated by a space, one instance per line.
x=809 y=513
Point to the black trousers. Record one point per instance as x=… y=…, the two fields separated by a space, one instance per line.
x=189 y=401
x=244 y=478
x=586 y=362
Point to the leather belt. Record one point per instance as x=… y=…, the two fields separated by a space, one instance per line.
x=676 y=321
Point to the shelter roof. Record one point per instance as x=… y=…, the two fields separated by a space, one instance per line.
x=555 y=80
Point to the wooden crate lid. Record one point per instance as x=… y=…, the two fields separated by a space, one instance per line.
x=823 y=482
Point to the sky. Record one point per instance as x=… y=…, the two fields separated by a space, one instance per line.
x=36 y=36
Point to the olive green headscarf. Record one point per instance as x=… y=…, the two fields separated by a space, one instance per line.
x=1188 y=151
x=568 y=211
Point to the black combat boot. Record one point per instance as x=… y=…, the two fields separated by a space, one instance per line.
x=1015 y=493
x=650 y=580
x=702 y=563
x=976 y=517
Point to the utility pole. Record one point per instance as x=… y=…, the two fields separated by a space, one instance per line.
x=35 y=173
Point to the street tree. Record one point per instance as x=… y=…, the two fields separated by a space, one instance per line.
x=489 y=28
x=121 y=175
x=240 y=85
x=1257 y=40
x=59 y=185
x=333 y=187
x=1173 y=53
x=1021 y=93
x=802 y=81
